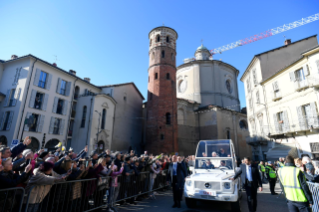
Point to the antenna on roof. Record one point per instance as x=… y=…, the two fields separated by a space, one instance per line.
x=56 y=58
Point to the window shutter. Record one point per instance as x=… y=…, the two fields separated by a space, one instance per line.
x=314 y=117
x=37 y=78
x=45 y=102
x=55 y=105
x=276 y=86
x=305 y=69
x=62 y=127
x=58 y=86
x=51 y=125
x=40 y=123
x=48 y=82
x=276 y=123
x=10 y=120
x=254 y=77
x=2 y=119
x=317 y=62
x=6 y=101
x=292 y=76
x=17 y=96
x=68 y=88
x=286 y=121
x=301 y=118
x=65 y=107
x=26 y=127
x=32 y=98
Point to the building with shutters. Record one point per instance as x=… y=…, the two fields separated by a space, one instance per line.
x=281 y=87
x=51 y=105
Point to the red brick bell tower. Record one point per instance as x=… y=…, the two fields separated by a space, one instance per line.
x=161 y=117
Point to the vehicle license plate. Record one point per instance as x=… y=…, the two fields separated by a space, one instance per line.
x=210 y=193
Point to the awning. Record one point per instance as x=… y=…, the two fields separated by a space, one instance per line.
x=280 y=150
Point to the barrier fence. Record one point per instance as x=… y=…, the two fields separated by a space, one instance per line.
x=314 y=188
x=80 y=195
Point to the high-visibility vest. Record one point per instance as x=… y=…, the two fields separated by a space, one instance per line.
x=271 y=172
x=262 y=168
x=288 y=176
x=281 y=164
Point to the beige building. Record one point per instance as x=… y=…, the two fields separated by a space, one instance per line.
x=52 y=105
x=208 y=106
x=282 y=98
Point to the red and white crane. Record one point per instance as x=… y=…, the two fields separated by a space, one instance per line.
x=266 y=34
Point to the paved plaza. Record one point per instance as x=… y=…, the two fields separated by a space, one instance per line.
x=163 y=203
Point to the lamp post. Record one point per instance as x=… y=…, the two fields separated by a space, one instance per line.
x=98 y=128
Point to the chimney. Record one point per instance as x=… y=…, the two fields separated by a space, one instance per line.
x=287 y=42
x=87 y=79
x=54 y=64
x=72 y=72
x=14 y=56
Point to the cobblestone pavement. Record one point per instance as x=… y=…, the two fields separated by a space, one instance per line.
x=163 y=203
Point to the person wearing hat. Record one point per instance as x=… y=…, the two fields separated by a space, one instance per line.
x=271 y=177
x=297 y=192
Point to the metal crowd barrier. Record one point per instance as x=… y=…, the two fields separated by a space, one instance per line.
x=314 y=188
x=133 y=186
x=11 y=199
x=80 y=195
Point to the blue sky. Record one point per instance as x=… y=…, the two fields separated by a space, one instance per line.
x=108 y=40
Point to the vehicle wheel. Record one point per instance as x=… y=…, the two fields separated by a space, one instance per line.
x=191 y=203
x=235 y=206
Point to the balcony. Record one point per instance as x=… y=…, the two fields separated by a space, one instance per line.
x=256 y=140
x=302 y=84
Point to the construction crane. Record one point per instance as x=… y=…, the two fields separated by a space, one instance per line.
x=266 y=34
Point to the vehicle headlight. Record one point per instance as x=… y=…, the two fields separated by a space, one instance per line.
x=189 y=183
x=227 y=185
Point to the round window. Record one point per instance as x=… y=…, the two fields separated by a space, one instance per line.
x=182 y=86
x=228 y=86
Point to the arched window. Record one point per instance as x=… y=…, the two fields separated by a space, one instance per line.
x=167 y=39
x=163 y=54
x=243 y=125
x=83 y=117
x=76 y=92
x=156 y=75
x=168 y=118
x=227 y=134
x=172 y=57
x=167 y=76
x=103 y=119
x=158 y=38
x=153 y=56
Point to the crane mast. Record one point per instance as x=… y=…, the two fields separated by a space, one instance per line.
x=266 y=34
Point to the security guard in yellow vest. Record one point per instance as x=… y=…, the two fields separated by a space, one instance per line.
x=262 y=170
x=281 y=162
x=295 y=186
x=271 y=177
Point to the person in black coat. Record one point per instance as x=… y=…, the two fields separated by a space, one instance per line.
x=176 y=175
x=251 y=180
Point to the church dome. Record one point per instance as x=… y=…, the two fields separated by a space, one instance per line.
x=201 y=48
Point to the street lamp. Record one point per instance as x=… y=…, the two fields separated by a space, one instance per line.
x=98 y=127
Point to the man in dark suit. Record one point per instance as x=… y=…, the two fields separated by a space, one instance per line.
x=176 y=175
x=251 y=180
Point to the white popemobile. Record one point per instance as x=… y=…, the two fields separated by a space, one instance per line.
x=215 y=163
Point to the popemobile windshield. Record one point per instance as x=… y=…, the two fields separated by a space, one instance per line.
x=215 y=164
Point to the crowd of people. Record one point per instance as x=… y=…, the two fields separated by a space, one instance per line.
x=131 y=177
